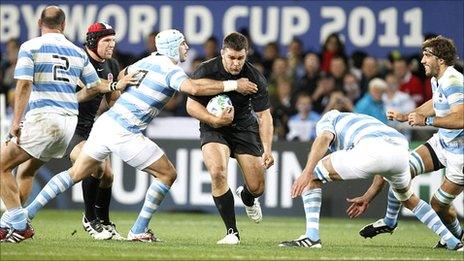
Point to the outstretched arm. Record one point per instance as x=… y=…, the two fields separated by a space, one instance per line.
x=360 y=204
x=205 y=87
x=425 y=109
x=318 y=149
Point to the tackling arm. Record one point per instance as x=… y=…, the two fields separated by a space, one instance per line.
x=206 y=87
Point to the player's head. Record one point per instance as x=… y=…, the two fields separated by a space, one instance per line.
x=234 y=52
x=172 y=44
x=101 y=40
x=53 y=18
x=438 y=52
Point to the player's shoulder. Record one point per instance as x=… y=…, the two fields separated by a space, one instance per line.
x=453 y=78
x=253 y=73
x=210 y=66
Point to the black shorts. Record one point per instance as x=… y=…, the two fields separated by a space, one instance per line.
x=76 y=139
x=239 y=141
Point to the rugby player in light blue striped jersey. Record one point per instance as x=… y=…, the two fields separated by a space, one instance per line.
x=48 y=70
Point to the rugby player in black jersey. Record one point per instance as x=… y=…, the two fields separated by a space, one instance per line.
x=243 y=132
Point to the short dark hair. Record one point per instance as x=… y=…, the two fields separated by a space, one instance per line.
x=51 y=18
x=442 y=48
x=235 y=41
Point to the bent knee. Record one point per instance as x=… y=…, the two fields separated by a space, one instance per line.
x=256 y=189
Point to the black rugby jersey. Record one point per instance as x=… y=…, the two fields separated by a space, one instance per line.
x=109 y=70
x=244 y=105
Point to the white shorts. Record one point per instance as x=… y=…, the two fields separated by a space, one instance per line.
x=46 y=136
x=454 y=163
x=134 y=148
x=387 y=157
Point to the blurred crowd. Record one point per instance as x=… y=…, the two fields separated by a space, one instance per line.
x=302 y=84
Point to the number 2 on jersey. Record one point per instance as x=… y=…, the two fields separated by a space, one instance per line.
x=59 y=68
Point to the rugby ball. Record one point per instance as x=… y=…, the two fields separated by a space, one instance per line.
x=218 y=103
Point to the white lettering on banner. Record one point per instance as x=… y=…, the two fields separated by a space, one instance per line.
x=179 y=188
x=142 y=19
x=290 y=170
x=337 y=14
x=414 y=18
x=295 y=22
x=197 y=34
x=361 y=18
x=433 y=181
x=263 y=34
x=78 y=20
x=31 y=18
x=165 y=17
x=9 y=16
x=272 y=183
x=389 y=17
x=142 y=180
x=230 y=16
x=120 y=19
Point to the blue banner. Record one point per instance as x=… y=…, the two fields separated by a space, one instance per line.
x=376 y=27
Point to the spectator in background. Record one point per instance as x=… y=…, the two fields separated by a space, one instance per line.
x=210 y=49
x=333 y=46
x=409 y=83
x=295 y=58
x=369 y=71
x=312 y=74
x=281 y=107
x=280 y=71
x=338 y=101
x=357 y=58
x=371 y=103
x=398 y=101
x=253 y=55
x=351 y=87
x=271 y=52
x=302 y=126
x=321 y=97
x=7 y=66
x=338 y=70
x=151 y=45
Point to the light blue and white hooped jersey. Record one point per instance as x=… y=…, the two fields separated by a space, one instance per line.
x=159 y=79
x=350 y=128
x=55 y=66
x=448 y=91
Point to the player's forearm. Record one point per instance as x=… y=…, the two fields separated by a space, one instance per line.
x=205 y=87
x=426 y=109
x=266 y=129
x=22 y=94
x=86 y=94
x=454 y=120
x=318 y=150
x=199 y=112
x=375 y=188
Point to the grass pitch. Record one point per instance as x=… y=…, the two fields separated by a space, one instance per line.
x=60 y=236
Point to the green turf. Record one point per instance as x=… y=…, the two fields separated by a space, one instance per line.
x=194 y=236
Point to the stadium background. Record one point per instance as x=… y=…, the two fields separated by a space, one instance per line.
x=376 y=27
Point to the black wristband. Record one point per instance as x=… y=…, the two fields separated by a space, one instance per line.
x=112 y=86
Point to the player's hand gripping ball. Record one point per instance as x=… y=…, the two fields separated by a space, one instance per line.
x=218 y=103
